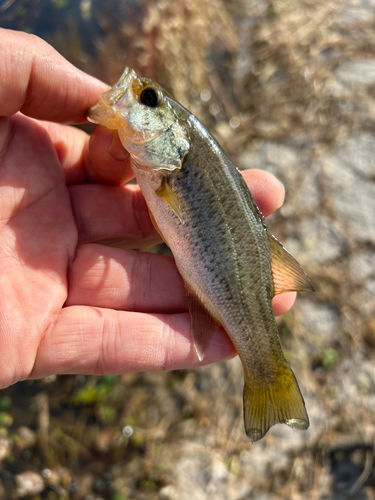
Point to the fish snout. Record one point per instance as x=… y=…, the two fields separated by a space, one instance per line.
x=102 y=114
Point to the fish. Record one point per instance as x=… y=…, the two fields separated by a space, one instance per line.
x=231 y=265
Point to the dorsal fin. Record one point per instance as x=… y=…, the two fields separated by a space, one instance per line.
x=287 y=274
x=250 y=198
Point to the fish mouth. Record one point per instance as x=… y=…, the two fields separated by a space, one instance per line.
x=105 y=111
x=114 y=94
x=101 y=115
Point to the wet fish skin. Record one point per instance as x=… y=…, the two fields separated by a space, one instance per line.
x=205 y=213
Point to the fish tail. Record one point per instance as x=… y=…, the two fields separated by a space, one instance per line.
x=267 y=404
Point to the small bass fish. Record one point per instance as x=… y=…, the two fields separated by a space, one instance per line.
x=231 y=265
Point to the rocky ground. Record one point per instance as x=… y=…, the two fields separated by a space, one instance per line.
x=288 y=87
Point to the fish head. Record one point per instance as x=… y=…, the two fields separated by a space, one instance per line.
x=150 y=124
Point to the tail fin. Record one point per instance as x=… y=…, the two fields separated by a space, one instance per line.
x=280 y=401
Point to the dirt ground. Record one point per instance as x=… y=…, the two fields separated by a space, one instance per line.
x=287 y=86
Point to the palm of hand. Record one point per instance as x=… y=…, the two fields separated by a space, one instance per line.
x=38 y=242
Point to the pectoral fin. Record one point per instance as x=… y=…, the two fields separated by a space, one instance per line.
x=203 y=325
x=169 y=196
x=288 y=275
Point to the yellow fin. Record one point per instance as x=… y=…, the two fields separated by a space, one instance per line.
x=287 y=274
x=277 y=402
x=203 y=325
x=166 y=192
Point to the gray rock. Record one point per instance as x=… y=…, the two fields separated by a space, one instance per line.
x=27 y=437
x=168 y=493
x=309 y=195
x=319 y=319
x=319 y=419
x=370 y=286
x=364 y=300
x=271 y=156
x=263 y=496
x=338 y=173
x=357 y=154
x=352 y=15
x=360 y=71
x=282 y=156
x=29 y=483
x=319 y=240
x=356 y=11
x=349 y=171
x=362 y=265
x=200 y=474
x=264 y=460
x=5 y=447
x=355 y=205
x=354 y=384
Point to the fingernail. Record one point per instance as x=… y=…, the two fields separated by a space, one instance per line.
x=116 y=149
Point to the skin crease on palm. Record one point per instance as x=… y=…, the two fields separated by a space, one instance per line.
x=68 y=305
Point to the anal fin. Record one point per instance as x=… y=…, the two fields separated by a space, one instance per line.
x=288 y=275
x=203 y=325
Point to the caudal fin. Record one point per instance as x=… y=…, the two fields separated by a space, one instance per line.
x=268 y=404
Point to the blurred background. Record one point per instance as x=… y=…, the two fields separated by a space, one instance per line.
x=287 y=86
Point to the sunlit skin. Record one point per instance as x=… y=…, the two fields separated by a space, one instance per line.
x=67 y=305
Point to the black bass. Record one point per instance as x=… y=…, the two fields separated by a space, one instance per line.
x=231 y=265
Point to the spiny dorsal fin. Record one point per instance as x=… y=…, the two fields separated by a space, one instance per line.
x=252 y=203
x=287 y=274
x=202 y=325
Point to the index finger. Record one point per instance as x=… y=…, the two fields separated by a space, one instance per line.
x=36 y=80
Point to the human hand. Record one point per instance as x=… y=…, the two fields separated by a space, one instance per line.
x=67 y=305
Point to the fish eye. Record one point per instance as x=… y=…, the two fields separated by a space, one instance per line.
x=149 y=97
